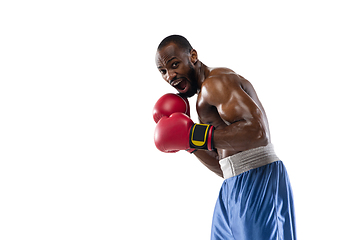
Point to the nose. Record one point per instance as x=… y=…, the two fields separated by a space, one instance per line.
x=170 y=75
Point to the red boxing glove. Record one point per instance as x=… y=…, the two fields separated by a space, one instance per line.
x=178 y=132
x=168 y=104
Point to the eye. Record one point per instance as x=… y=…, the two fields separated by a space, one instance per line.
x=162 y=71
x=175 y=64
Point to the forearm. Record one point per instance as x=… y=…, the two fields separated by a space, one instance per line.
x=211 y=160
x=241 y=136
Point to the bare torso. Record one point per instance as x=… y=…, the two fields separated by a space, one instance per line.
x=227 y=98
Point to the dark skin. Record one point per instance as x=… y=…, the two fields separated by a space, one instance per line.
x=225 y=100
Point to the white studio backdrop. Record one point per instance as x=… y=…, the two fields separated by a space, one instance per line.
x=77 y=85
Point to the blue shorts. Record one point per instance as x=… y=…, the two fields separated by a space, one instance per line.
x=256 y=204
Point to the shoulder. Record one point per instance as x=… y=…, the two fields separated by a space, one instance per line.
x=220 y=71
x=219 y=85
x=223 y=77
x=218 y=78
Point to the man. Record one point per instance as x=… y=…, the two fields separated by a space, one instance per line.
x=232 y=140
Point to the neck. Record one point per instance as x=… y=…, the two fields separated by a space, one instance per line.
x=202 y=72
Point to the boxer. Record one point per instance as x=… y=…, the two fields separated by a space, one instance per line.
x=232 y=139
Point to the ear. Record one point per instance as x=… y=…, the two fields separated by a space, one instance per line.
x=193 y=56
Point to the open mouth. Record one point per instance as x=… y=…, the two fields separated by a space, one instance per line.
x=180 y=84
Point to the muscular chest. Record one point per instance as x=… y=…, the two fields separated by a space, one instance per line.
x=209 y=114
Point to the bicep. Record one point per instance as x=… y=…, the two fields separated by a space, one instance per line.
x=233 y=103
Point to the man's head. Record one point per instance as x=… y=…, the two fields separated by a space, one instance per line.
x=180 y=41
x=176 y=59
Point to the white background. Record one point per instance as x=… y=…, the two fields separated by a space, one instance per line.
x=78 y=83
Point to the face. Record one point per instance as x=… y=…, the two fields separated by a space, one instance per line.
x=177 y=68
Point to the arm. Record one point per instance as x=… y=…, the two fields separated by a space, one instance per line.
x=246 y=123
x=210 y=160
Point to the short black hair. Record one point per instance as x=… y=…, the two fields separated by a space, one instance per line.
x=178 y=40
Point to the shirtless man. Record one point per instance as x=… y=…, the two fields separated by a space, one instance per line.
x=232 y=140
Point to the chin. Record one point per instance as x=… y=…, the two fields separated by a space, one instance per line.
x=187 y=94
x=187 y=90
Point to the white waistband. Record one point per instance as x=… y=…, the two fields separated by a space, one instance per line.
x=244 y=161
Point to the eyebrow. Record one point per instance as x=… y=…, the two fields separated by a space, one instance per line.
x=167 y=61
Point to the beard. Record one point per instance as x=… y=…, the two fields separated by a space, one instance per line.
x=193 y=83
